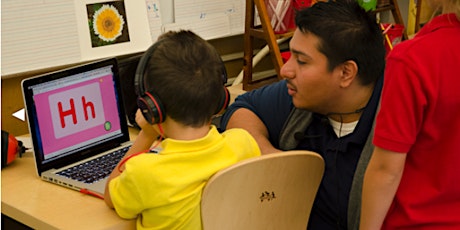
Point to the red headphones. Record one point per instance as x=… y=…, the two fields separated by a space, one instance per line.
x=148 y=102
x=11 y=148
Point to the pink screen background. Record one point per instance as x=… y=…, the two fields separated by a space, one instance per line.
x=52 y=144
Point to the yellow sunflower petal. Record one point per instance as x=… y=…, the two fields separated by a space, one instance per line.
x=108 y=23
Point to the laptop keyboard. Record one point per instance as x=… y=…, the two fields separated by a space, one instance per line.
x=96 y=169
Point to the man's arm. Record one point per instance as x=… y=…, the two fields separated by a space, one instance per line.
x=381 y=181
x=262 y=112
x=246 y=119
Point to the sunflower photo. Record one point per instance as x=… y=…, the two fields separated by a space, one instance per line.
x=107 y=23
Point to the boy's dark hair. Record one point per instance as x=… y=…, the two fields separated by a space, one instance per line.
x=185 y=72
x=346 y=32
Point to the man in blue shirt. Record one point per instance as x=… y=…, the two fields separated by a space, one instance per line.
x=326 y=103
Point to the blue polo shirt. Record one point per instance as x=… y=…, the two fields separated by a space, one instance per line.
x=272 y=104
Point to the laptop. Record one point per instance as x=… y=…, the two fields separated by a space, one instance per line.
x=76 y=119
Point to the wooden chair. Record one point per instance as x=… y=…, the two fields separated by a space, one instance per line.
x=274 y=191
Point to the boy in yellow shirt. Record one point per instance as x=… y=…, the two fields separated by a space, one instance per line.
x=180 y=82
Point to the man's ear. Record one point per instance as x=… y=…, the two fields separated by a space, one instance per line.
x=349 y=72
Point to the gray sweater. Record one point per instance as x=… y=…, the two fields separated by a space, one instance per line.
x=298 y=121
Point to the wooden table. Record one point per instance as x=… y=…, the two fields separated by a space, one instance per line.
x=42 y=205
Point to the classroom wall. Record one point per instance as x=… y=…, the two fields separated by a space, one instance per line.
x=32 y=46
x=230 y=48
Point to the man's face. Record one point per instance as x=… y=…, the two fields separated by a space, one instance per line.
x=310 y=83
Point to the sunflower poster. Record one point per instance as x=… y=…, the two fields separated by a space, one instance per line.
x=107 y=23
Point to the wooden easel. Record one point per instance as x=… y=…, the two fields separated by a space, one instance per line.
x=265 y=31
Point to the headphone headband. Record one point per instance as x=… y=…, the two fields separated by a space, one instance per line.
x=149 y=103
x=140 y=70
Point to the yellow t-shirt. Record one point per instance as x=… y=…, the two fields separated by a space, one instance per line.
x=163 y=191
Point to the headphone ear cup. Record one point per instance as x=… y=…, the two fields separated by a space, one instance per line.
x=224 y=100
x=151 y=108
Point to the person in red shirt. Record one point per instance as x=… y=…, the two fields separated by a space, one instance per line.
x=412 y=180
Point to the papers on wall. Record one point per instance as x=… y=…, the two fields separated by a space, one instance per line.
x=154 y=18
x=208 y=27
x=136 y=29
x=209 y=18
x=38 y=34
x=41 y=34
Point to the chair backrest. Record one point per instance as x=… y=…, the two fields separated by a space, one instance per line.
x=274 y=191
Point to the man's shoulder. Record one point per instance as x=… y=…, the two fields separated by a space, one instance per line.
x=274 y=96
x=268 y=90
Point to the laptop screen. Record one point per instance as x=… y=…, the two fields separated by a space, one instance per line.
x=76 y=111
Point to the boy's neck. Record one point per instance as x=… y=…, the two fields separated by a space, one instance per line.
x=179 y=131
